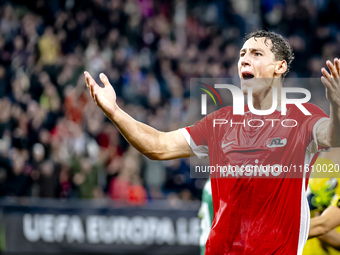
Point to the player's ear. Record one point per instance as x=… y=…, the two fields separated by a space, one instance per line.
x=281 y=67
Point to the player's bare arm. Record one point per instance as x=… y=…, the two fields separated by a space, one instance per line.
x=328 y=132
x=328 y=220
x=150 y=142
x=332 y=238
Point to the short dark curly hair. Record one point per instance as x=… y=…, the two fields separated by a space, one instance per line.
x=281 y=48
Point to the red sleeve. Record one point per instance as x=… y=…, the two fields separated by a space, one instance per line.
x=196 y=136
x=201 y=135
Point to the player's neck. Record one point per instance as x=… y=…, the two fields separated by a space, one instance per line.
x=264 y=100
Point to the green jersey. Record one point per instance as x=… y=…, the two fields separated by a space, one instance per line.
x=206 y=215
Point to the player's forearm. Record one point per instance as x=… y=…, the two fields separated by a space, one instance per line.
x=144 y=138
x=334 y=126
x=332 y=238
x=321 y=225
x=317 y=227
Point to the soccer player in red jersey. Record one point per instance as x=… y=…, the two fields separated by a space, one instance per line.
x=251 y=215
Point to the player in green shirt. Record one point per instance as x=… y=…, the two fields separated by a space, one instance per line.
x=206 y=215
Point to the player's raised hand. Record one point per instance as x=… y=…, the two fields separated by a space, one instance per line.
x=332 y=81
x=104 y=97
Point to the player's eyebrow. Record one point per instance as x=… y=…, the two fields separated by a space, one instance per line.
x=251 y=50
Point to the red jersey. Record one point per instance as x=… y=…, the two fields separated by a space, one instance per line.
x=258 y=215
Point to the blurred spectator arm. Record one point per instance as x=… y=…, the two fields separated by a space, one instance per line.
x=332 y=238
x=328 y=220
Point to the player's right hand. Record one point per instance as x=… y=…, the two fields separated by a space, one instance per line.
x=104 y=97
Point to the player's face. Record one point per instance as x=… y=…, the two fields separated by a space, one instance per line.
x=256 y=61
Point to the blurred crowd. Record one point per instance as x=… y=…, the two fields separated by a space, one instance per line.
x=55 y=142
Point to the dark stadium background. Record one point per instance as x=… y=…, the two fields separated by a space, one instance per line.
x=59 y=155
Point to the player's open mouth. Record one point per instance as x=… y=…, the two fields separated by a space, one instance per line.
x=247 y=76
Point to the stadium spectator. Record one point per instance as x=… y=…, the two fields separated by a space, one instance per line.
x=150 y=50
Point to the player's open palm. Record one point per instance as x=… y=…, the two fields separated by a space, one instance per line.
x=332 y=81
x=104 y=97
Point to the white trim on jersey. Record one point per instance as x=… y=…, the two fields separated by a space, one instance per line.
x=201 y=151
x=314 y=133
x=305 y=216
x=304 y=219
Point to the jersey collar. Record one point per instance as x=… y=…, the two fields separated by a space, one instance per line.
x=246 y=109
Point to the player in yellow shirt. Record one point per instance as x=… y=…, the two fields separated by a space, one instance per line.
x=324 y=192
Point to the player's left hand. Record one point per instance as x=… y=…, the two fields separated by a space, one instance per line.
x=332 y=81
